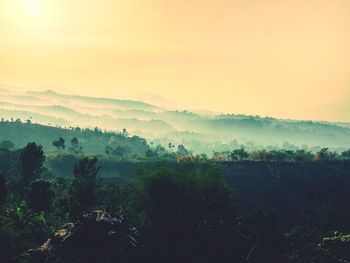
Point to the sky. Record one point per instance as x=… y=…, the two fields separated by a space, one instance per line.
x=281 y=58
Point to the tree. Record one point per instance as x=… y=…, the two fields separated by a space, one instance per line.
x=182 y=151
x=345 y=154
x=59 y=144
x=31 y=160
x=322 y=155
x=83 y=187
x=40 y=195
x=8 y=145
x=108 y=149
x=171 y=146
x=160 y=150
x=3 y=189
x=151 y=154
x=75 y=147
x=302 y=156
x=119 y=151
x=239 y=154
x=218 y=156
x=125 y=133
x=258 y=155
x=325 y=155
x=279 y=155
x=190 y=214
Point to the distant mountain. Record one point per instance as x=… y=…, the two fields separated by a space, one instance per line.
x=157 y=100
x=201 y=131
x=104 y=102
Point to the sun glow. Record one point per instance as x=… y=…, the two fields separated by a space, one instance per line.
x=32 y=7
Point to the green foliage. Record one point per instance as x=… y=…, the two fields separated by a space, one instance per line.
x=31 y=160
x=108 y=195
x=59 y=144
x=310 y=245
x=325 y=155
x=20 y=229
x=99 y=236
x=184 y=211
x=8 y=145
x=9 y=161
x=346 y=154
x=91 y=141
x=168 y=192
x=3 y=189
x=182 y=151
x=335 y=248
x=118 y=151
x=75 y=146
x=124 y=147
x=239 y=154
x=302 y=156
x=150 y=154
x=161 y=153
x=40 y=195
x=83 y=188
x=272 y=156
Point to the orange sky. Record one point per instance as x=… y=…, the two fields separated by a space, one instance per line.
x=283 y=58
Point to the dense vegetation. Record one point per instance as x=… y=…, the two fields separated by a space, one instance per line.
x=121 y=145
x=73 y=140
x=168 y=205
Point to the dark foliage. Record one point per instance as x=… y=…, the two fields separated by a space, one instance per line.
x=96 y=237
x=83 y=188
x=40 y=195
x=3 y=189
x=193 y=210
x=31 y=161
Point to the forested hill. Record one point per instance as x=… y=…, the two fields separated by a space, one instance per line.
x=201 y=132
x=89 y=141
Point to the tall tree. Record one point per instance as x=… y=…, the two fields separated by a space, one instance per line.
x=83 y=187
x=3 y=189
x=119 y=151
x=346 y=154
x=239 y=154
x=31 y=160
x=182 y=151
x=59 y=144
x=75 y=146
x=325 y=155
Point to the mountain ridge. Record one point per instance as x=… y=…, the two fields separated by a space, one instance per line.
x=200 y=132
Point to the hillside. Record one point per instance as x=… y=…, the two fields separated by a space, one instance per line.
x=92 y=141
x=200 y=132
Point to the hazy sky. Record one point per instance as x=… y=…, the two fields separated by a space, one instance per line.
x=283 y=58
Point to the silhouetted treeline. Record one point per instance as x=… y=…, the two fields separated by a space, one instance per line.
x=174 y=212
